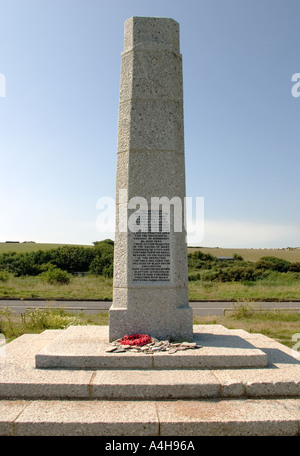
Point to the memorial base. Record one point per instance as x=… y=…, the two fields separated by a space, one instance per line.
x=160 y=312
x=175 y=324
x=87 y=347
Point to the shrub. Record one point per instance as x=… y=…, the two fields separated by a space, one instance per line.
x=199 y=260
x=233 y=274
x=108 y=271
x=237 y=257
x=7 y=260
x=210 y=276
x=48 y=319
x=6 y=324
x=24 y=264
x=72 y=258
x=4 y=276
x=241 y=273
x=273 y=264
x=295 y=267
x=242 y=311
x=106 y=241
x=101 y=266
x=97 y=266
x=56 y=276
x=193 y=277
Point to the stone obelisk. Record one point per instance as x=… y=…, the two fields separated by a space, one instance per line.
x=150 y=289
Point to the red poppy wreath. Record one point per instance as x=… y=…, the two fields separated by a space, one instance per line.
x=136 y=339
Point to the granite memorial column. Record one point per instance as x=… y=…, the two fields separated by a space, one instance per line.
x=150 y=289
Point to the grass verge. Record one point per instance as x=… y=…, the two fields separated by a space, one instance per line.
x=31 y=287
x=279 y=325
x=14 y=325
x=276 y=287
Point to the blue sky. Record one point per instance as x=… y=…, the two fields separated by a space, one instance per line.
x=58 y=120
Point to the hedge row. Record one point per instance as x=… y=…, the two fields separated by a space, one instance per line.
x=237 y=269
x=97 y=259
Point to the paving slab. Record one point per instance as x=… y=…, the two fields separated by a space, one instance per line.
x=85 y=347
x=149 y=384
x=206 y=417
x=25 y=382
x=21 y=351
x=240 y=417
x=9 y=412
x=284 y=382
x=278 y=354
x=32 y=383
x=88 y=418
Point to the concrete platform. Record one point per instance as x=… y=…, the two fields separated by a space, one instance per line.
x=84 y=347
x=146 y=402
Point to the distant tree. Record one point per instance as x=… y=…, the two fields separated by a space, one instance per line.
x=102 y=263
x=24 y=264
x=106 y=241
x=72 y=258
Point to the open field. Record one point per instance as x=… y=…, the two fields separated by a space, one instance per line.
x=247 y=254
x=250 y=254
x=28 y=247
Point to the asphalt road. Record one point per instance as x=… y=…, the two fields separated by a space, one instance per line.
x=94 y=307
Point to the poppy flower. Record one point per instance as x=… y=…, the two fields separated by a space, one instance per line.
x=136 y=339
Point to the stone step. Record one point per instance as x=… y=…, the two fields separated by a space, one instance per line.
x=31 y=383
x=209 y=417
x=86 y=347
x=186 y=402
x=20 y=379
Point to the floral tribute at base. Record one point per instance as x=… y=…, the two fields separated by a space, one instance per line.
x=136 y=339
x=143 y=343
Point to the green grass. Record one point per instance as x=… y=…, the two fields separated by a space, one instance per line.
x=279 y=325
x=14 y=325
x=277 y=287
x=284 y=286
x=30 y=287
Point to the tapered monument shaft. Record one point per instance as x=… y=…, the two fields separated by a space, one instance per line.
x=150 y=293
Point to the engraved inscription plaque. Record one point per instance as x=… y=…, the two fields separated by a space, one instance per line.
x=151 y=249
